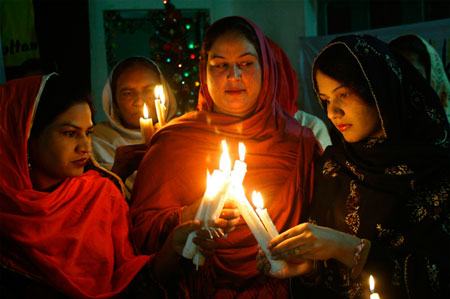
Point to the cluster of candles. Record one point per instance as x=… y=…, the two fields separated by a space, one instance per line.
x=145 y=122
x=226 y=184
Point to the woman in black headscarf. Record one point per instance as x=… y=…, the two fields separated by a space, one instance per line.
x=381 y=194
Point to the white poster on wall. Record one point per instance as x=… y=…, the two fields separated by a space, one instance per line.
x=437 y=33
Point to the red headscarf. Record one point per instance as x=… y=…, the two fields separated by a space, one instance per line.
x=280 y=159
x=75 y=238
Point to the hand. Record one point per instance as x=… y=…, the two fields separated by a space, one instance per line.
x=229 y=217
x=127 y=159
x=294 y=267
x=314 y=242
x=177 y=238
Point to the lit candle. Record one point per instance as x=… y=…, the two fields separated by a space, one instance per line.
x=146 y=125
x=256 y=227
x=372 y=288
x=159 y=94
x=240 y=167
x=265 y=218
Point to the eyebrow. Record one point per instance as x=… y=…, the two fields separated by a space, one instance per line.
x=74 y=126
x=334 y=90
x=240 y=56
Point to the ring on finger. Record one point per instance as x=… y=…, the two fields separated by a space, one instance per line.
x=297 y=251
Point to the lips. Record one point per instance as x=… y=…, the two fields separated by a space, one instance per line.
x=343 y=127
x=235 y=91
x=81 y=162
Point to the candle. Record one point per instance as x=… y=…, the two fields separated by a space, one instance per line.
x=146 y=125
x=256 y=227
x=372 y=288
x=159 y=94
x=240 y=167
x=263 y=215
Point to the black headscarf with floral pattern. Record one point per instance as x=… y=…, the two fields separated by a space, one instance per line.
x=392 y=190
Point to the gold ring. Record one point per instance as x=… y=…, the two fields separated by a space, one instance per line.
x=297 y=251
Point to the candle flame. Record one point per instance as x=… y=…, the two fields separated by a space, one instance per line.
x=225 y=161
x=145 y=111
x=213 y=185
x=258 y=200
x=241 y=151
x=371 y=283
x=157 y=92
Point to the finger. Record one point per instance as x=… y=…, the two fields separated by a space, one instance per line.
x=228 y=213
x=293 y=231
x=189 y=226
x=288 y=244
x=230 y=204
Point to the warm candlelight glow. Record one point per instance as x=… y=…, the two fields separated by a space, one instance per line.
x=258 y=200
x=161 y=95
x=225 y=161
x=241 y=151
x=157 y=91
x=145 y=111
x=371 y=284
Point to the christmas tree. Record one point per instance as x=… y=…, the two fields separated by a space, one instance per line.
x=176 y=48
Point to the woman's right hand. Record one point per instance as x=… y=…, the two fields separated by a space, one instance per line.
x=228 y=219
x=294 y=266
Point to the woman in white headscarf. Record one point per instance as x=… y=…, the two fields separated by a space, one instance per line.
x=117 y=144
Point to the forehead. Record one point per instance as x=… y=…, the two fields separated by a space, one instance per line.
x=231 y=44
x=137 y=73
x=78 y=115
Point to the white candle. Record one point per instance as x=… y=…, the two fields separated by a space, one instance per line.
x=265 y=218
x=256 y=227
x=372 y=288
x=240 y=167
x=146 y=125
x=159 y=112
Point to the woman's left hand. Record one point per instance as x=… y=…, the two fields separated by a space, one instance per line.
x=314 y=242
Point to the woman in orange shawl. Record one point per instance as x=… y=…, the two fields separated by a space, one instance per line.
x=63 y=228
x=240 y=82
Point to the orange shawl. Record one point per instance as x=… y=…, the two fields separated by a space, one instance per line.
x=75 y=238
x=280 y=160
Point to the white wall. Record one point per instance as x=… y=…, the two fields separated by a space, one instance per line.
x=281 y=20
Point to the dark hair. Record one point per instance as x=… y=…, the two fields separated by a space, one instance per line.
x=59 y=95
x=229 y=25
x=406 y=44
x=338 y=63
x=126 y=64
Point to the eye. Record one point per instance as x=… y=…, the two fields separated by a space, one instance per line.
x=89 y=133
x=246 y=63
x=220 y=65
x=344 y=95
x=69 y=133
x=325 y=101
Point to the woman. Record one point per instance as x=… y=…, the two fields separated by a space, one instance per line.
x=64 y=227
x=117 y=144
x=239 y=84
x=381 y=195
x=427 y=61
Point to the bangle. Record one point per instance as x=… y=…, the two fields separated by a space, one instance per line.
x=359 y=249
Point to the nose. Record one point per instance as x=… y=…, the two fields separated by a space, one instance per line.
x=139 y=99
x=234 y=72
x=84 y=144
x=334 y=110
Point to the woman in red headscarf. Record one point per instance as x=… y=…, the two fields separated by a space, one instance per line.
x=64 y=227
x=240 y=82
